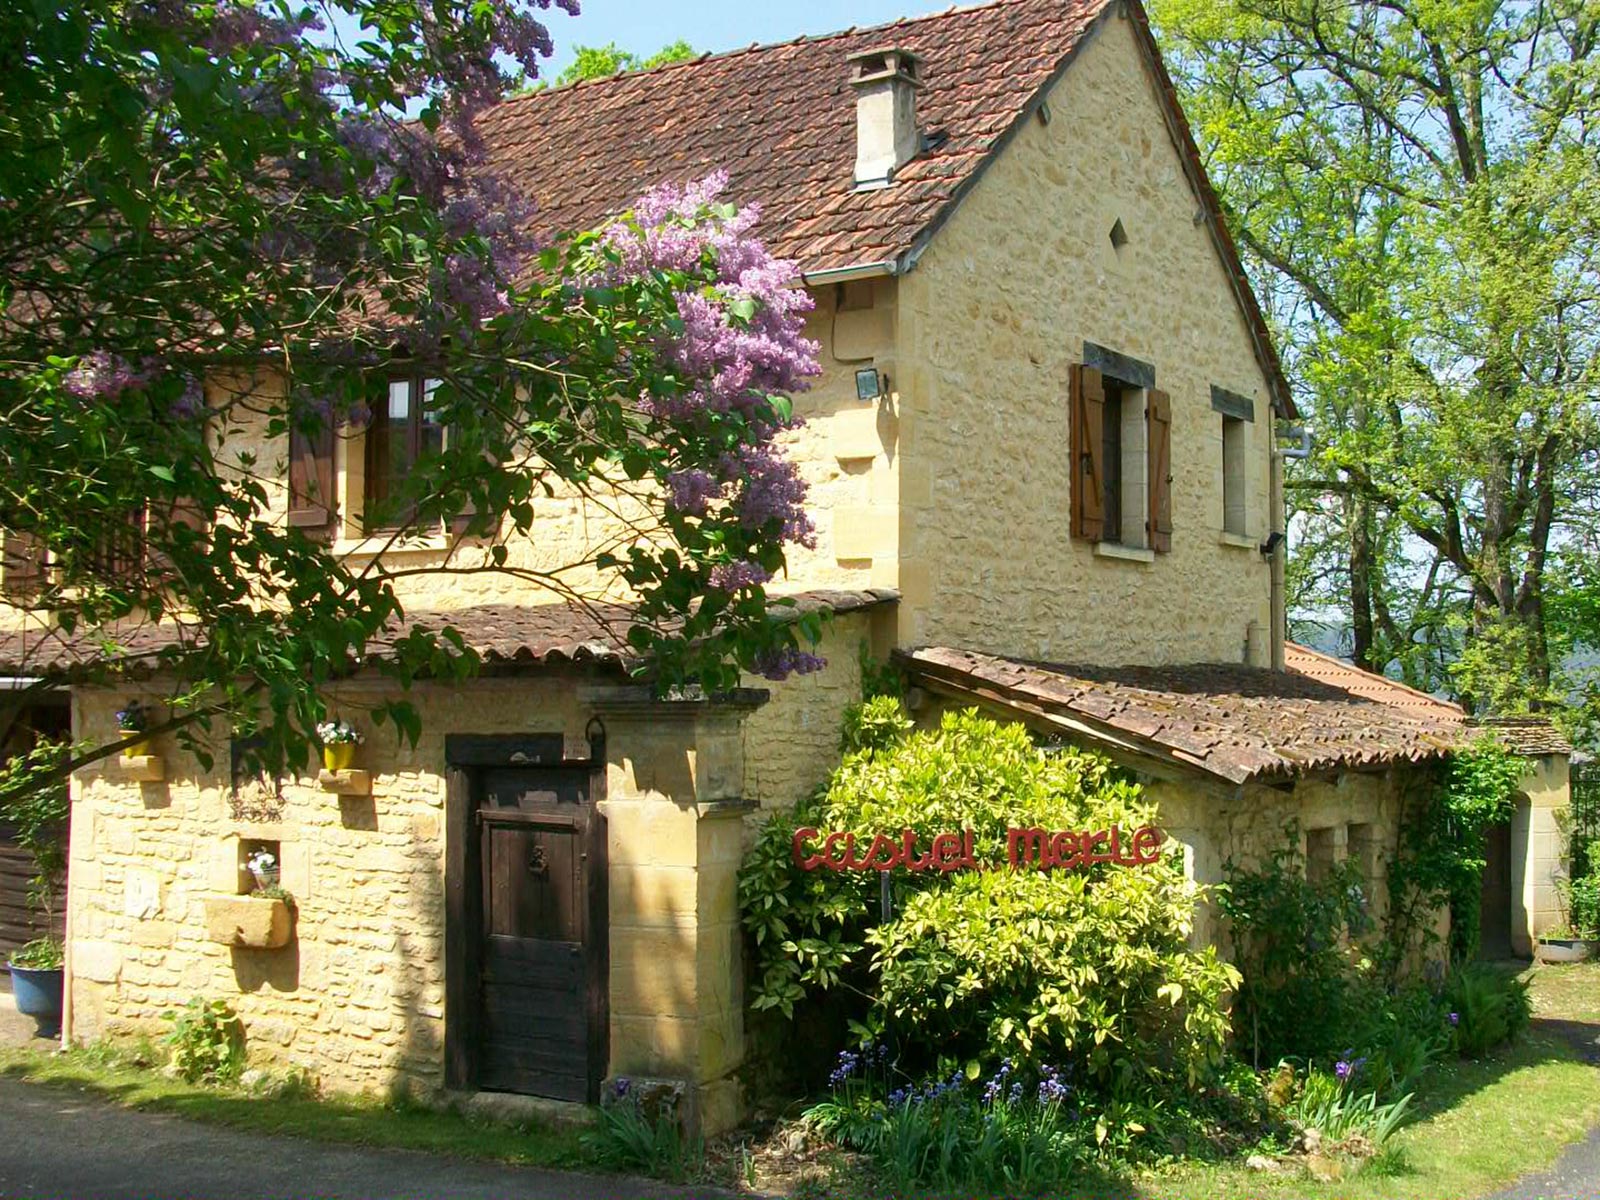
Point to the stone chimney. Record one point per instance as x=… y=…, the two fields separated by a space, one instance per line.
x=885 y=82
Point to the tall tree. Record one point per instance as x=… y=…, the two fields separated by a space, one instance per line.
x=601 y=62
x=216 y=229
x=1417 y=187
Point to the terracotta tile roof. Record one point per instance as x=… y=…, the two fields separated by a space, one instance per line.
x=1326 y=669
x=781 y=120
x=1530 y=737
x=506 y=635
x=1240 y=724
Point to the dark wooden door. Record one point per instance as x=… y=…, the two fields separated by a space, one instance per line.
x=541 y=962
x=1494 y=913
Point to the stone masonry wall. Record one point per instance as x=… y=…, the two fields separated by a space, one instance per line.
x=991 y=322
x=357 y=997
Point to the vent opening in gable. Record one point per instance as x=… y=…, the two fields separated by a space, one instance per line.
x=1119 y=235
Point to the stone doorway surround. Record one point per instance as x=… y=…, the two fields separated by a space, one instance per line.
x=673 y=808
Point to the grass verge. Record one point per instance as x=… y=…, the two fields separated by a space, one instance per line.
x=347 y=1120
x=1482 y=1125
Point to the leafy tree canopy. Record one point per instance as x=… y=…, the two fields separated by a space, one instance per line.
x=215 y=229
x=601 y=62
x=1416 y=186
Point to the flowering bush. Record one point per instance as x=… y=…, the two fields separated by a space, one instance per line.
x=339 y=733
x=227 y=183
x=1089 y=969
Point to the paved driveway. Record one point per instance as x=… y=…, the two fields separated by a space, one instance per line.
x=54 y=1143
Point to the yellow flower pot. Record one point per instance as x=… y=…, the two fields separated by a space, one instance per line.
x=138 y=750
x=339 y=757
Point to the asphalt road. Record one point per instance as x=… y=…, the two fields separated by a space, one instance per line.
x=56 y=1144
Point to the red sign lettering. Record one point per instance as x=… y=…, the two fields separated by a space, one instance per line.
x=1035 y=849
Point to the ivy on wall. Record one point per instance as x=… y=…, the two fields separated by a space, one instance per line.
x=1441 y=852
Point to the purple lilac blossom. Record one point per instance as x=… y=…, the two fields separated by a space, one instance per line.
x=691 y=491
x=788 y=661
x=730 y=577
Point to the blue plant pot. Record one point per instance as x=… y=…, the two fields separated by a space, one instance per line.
x=38 y=995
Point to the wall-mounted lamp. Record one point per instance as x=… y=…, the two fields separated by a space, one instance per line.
x=870 y=385
x=1270 y=546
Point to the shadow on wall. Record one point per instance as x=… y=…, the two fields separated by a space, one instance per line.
x=420 y=1054
x=278 y=970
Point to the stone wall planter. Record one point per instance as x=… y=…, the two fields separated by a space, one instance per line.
x=1563 y=950
x=346 y=783
x=146 y=768
x=253 y=922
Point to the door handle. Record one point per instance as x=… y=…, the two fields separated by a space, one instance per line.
x=537 y=867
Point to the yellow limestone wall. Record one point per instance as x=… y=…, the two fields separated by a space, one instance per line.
x=990 y=322
x=845 y=450
x=358 y=997
x=1537 y=850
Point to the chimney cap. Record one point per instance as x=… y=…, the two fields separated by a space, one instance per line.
x=883 y=63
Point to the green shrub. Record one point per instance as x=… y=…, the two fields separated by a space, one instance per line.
x=1488 y=1007
x=1307 y=986
x=1583 y=905
x=207 y=1041
x=630 y=1137
x=1089 y=967
x=1338 y=1109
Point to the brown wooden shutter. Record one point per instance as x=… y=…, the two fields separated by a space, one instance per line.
x=1088 y=449
x=312 y=506
x=1158 y=414
x=22 y=565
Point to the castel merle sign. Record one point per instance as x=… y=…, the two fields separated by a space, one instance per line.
x=1036 y=849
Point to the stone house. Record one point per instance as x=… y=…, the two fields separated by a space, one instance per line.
x=1046 y=433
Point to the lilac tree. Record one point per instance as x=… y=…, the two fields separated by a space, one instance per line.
x=217 y=231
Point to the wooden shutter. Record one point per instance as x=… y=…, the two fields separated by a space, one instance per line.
x=1088 y=450
x=1158 y=415
x=22 y=565
x=312 y=506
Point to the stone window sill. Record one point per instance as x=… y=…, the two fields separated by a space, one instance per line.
x=381 y=544
x=1239 y=541
x=1123 y=553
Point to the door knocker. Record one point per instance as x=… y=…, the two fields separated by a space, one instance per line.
x=537 y=867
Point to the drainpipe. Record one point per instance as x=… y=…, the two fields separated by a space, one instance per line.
x=1279 y=598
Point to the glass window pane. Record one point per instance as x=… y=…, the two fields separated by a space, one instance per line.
x=399 y=399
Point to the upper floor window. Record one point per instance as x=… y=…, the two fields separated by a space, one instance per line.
x=1237 y=414
x=1121 y=460
x=405 y=428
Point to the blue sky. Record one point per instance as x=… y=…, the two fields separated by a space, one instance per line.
x=644 y=26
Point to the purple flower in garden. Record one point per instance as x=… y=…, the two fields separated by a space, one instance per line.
x=1455 y=1018
x=730 y=577
x=846 y=1067
x=620 y=1086
x=1341 y=1069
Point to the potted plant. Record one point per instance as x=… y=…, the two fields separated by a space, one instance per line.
x=339 y=741
x=263 y=868
x=1577 y=938
x=135 y=718
x=40 y=817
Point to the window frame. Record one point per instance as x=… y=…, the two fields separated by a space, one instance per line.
x=377 y=485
